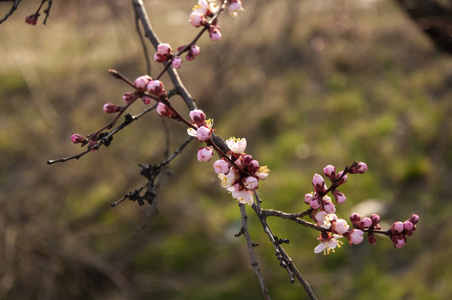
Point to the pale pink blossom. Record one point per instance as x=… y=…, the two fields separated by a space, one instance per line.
x=366 y=223
x=339 y=197
x=205 y=153
x=397 y=227
x=262 y=173
x=234 y=7
x=251 y=183
x=356 y=236
x=142 y=82
x=236 y=145
x=330 y=172
x=318 y=183
x=221 y=166
x=244 y=196
x=176 y=63
x=340 y=226
x=164 y=49
x=308 y=198
x=328 y=245
x=214 y=33
x=203 y=133
x=197 y=19
x=195 y=50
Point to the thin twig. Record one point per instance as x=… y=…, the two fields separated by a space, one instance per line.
x=253 y=260
x=11 y=11
x=281 y=254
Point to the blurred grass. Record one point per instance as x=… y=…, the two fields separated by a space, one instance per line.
x=307 y=83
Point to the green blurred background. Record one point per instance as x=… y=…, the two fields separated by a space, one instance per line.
x=308 y=83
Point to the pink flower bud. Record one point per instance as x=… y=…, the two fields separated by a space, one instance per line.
x=328 y=206
x=340 y=226
x=221 y=166
x=195 y=50
x=146 y=100
x=356 y=236
x=77 y=138
x=365 y=223
x=251 y=183
x=414 y=219
x=315 y=203
x=235 y=6
x=375 y=219
x=205 y=153
x=339 y=197
x=214 y=33
x=111 y=108
x=397 y=227
x=318 y=183
x=127 y=97
x=198 y=117
x=176 y=63
x=330 y=172
x=253 y=166
x=164 y=110
x=203 y=133
x=156 y=87
x=399 y=240
x=308 y=198
x=372 y=239
x=197 y=19
x=164 y=49
x=360 y=168
x=32 y=19
x=407 y=225
x=341 y=180
x=160 y=58
x=355 y=218
x=142 y=82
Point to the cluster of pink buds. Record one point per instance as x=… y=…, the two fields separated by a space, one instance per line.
x=206 y=9
x=323 y=213
x=240 y=173
x=202 y=131
x=164 y=53
x=399 y=230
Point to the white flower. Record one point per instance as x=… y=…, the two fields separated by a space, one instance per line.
x=324 y=219
x=243 y=196
x=328 y=245
x=236 y=145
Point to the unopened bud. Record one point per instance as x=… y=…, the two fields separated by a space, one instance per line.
x=205 y=153
x=156 y=87
x=77 y=138
x=110 y=108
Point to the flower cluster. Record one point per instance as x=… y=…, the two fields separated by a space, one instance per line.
x=202 y=131
x=240 y=173
x=206 y=9
x=323 y=213
x=165 y=53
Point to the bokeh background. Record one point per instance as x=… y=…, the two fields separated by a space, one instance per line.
x=308 y=83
